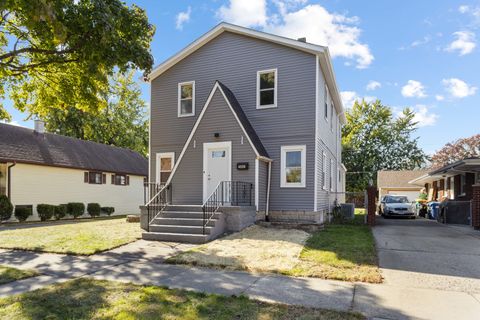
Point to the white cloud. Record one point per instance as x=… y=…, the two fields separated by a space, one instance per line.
x=182 y=18
x=293 y=20
x=439 y=97
x=463 y=9
x=248 y=13
x=464 y=43
x=458 y=88
x=373 y=85
x=423 y=116
x=414 y=89
x=349 y=98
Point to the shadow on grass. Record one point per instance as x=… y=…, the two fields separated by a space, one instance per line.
x=93 y=299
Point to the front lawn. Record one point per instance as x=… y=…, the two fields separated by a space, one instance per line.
x=340 y=252
x=91 y=299
x=82 y=238
x=8 y=274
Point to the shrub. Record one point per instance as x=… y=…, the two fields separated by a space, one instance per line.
x=22 y=213
x=75 y=209
x=6 y=208
x=108 y=210
x=93 y=209
x=45 y=211
x=60 y=211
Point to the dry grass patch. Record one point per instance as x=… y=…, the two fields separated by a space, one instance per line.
x=255 y=248
x=81 y=238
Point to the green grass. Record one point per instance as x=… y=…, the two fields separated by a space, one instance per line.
x=92 y=299
x=81 y=238
x=8 y=274
x=340 y=252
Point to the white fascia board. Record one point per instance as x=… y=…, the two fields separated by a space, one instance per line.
x=222 y=27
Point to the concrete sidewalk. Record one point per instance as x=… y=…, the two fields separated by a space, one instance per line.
x=131 y=264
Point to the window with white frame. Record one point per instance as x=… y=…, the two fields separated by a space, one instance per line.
x=324 y=171
x=452 y=188
x=165 y=163
x=326 y=103
x=331 y=174
x=267 y=89
x=331 y=116
x=293 y=166
x=186 y=99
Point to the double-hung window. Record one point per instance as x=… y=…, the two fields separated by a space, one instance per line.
x=331 y=116
x=331 y=174
x=293 y=166
x=93 y=177
x=324 y=171
x=120 y=179
x=186 y=99
x=267 y=89
x=326 y=103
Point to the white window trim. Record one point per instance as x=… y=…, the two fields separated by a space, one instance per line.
x=324 y=170
x=180 y=115
x=332 y=108
x=332 y=180
x=275 y=89
x=283 y=173
x=327 y=95
x=160 y=155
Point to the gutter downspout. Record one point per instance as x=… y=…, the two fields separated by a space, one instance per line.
x=267 y=205
x=9 y=176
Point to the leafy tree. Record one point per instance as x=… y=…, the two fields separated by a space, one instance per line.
x=123 y=122
x=374 y=139
x=457 y=150
x=62 y=52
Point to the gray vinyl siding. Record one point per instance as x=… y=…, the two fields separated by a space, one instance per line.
x=187 y=182
x=328 y=141
x=262 y=184
x=234 y=60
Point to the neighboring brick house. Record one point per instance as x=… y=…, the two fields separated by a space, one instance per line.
x=397 y=182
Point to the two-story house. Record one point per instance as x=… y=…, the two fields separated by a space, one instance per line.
x=245 y=117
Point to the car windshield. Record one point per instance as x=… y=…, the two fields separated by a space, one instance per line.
x=398 y=199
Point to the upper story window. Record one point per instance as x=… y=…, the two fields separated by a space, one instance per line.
x=267 y=89
x=326 y=103
x=293 y=166
x=331 y=116
x=186 y=99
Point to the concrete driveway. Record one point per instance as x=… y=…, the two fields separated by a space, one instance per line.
x=425 y=254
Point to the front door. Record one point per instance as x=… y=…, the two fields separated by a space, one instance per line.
x=217 y=165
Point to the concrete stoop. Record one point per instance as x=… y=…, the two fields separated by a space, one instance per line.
x=184 y=224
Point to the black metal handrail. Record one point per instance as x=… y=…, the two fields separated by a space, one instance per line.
x=234 y=193
x=158 y=202
x=150 y=189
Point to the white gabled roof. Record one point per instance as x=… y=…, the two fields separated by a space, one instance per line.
x=321 y=52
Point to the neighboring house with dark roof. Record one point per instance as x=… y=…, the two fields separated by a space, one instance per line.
x=397 y=182
x=239 y=105
x=38 y=167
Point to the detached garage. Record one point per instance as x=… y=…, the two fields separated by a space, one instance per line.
x=396 y=182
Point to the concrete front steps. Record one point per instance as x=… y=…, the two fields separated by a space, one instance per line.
x=184 y=224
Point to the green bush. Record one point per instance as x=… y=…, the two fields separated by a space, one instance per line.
x=45 y=211
x=60 y=211
x=6 y=208
x=93 y=209
x=108 y=210
x=22 y=213
x=75 y=209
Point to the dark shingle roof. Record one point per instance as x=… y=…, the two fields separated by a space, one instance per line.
x=25 y=145
x=244 y=120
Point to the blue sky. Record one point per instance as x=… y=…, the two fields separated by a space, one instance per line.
x=420 y=54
